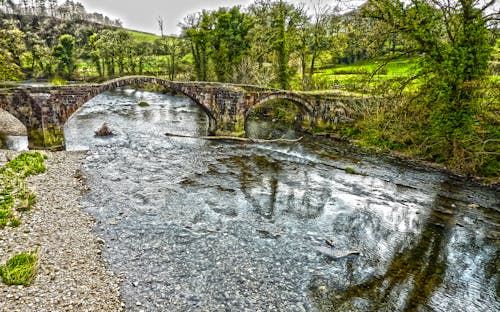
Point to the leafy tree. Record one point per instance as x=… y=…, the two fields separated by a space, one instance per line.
x=172 y=47
x=95 y=54
x=7 y=6
x=64 y=52
x=35 y=46
x=11 y=47
x=452 y=39
x=228 y=41
x=316 y=36
x=276 y=32
x=196 y=28
x=105 y=48
x=9 y=71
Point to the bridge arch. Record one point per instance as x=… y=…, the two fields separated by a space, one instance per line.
x=303 y=105
x=179 y=87
x=302 y=120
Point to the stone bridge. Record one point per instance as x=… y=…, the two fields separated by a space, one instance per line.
x=44 y=110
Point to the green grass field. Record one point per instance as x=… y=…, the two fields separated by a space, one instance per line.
x=362 y=75
x=143 y=37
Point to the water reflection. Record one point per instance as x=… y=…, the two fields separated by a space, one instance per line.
x=420 y=275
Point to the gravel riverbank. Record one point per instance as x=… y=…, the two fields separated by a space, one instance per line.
x=72 y=275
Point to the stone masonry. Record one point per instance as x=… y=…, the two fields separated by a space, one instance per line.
x=44 y=110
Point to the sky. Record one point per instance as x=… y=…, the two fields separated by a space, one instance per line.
x=143 y=14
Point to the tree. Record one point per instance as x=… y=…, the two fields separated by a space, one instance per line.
x=7 y=6
x=228 y=41
x=41 y=7
x=35 y=46
x=12 y=40
x=276 y=31
x=142 y=52
x=169 y=46
x=95 y=55
x=52 y=7
x=452 y=38
x=64 y=52
x=315 y=37
x=196 y=27
x=11 y=47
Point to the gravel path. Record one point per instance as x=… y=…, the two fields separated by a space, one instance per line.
x=72 y=275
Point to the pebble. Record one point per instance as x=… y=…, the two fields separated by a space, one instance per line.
x=72 y=275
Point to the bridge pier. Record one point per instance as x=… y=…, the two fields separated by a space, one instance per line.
x=212 y=126
x=51 y=138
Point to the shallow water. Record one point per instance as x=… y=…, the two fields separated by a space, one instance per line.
x=198 y=225
x=16 y=143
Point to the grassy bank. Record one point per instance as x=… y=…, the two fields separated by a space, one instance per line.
x=15 y=197
x=401 y=125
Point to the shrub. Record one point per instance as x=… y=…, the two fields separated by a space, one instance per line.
x=350 y=170
x=13 y=190
x=20 y=269
x=15 y=222
x=26 y=164
x=5 y=216
x=27 y=199
x=58 y=81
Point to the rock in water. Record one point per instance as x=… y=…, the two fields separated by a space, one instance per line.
x=105 y=130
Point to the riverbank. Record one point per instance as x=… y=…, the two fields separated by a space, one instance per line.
x=72 y=275
x=356 y=146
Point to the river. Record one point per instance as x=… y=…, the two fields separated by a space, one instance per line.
x=195 y=225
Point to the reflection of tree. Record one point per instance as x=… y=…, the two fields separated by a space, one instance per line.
x=257 y=166
x=306 y=198
x=264 y=189
x=420 y=269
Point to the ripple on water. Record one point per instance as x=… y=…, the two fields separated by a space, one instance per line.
x=198 y=225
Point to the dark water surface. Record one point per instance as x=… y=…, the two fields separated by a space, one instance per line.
x=198 y=225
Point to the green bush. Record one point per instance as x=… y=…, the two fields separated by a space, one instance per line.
x=5 y=217
x=20 y=269
x=26 y=164
x=15 y=222
x=27 y=199
x=13 y=190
